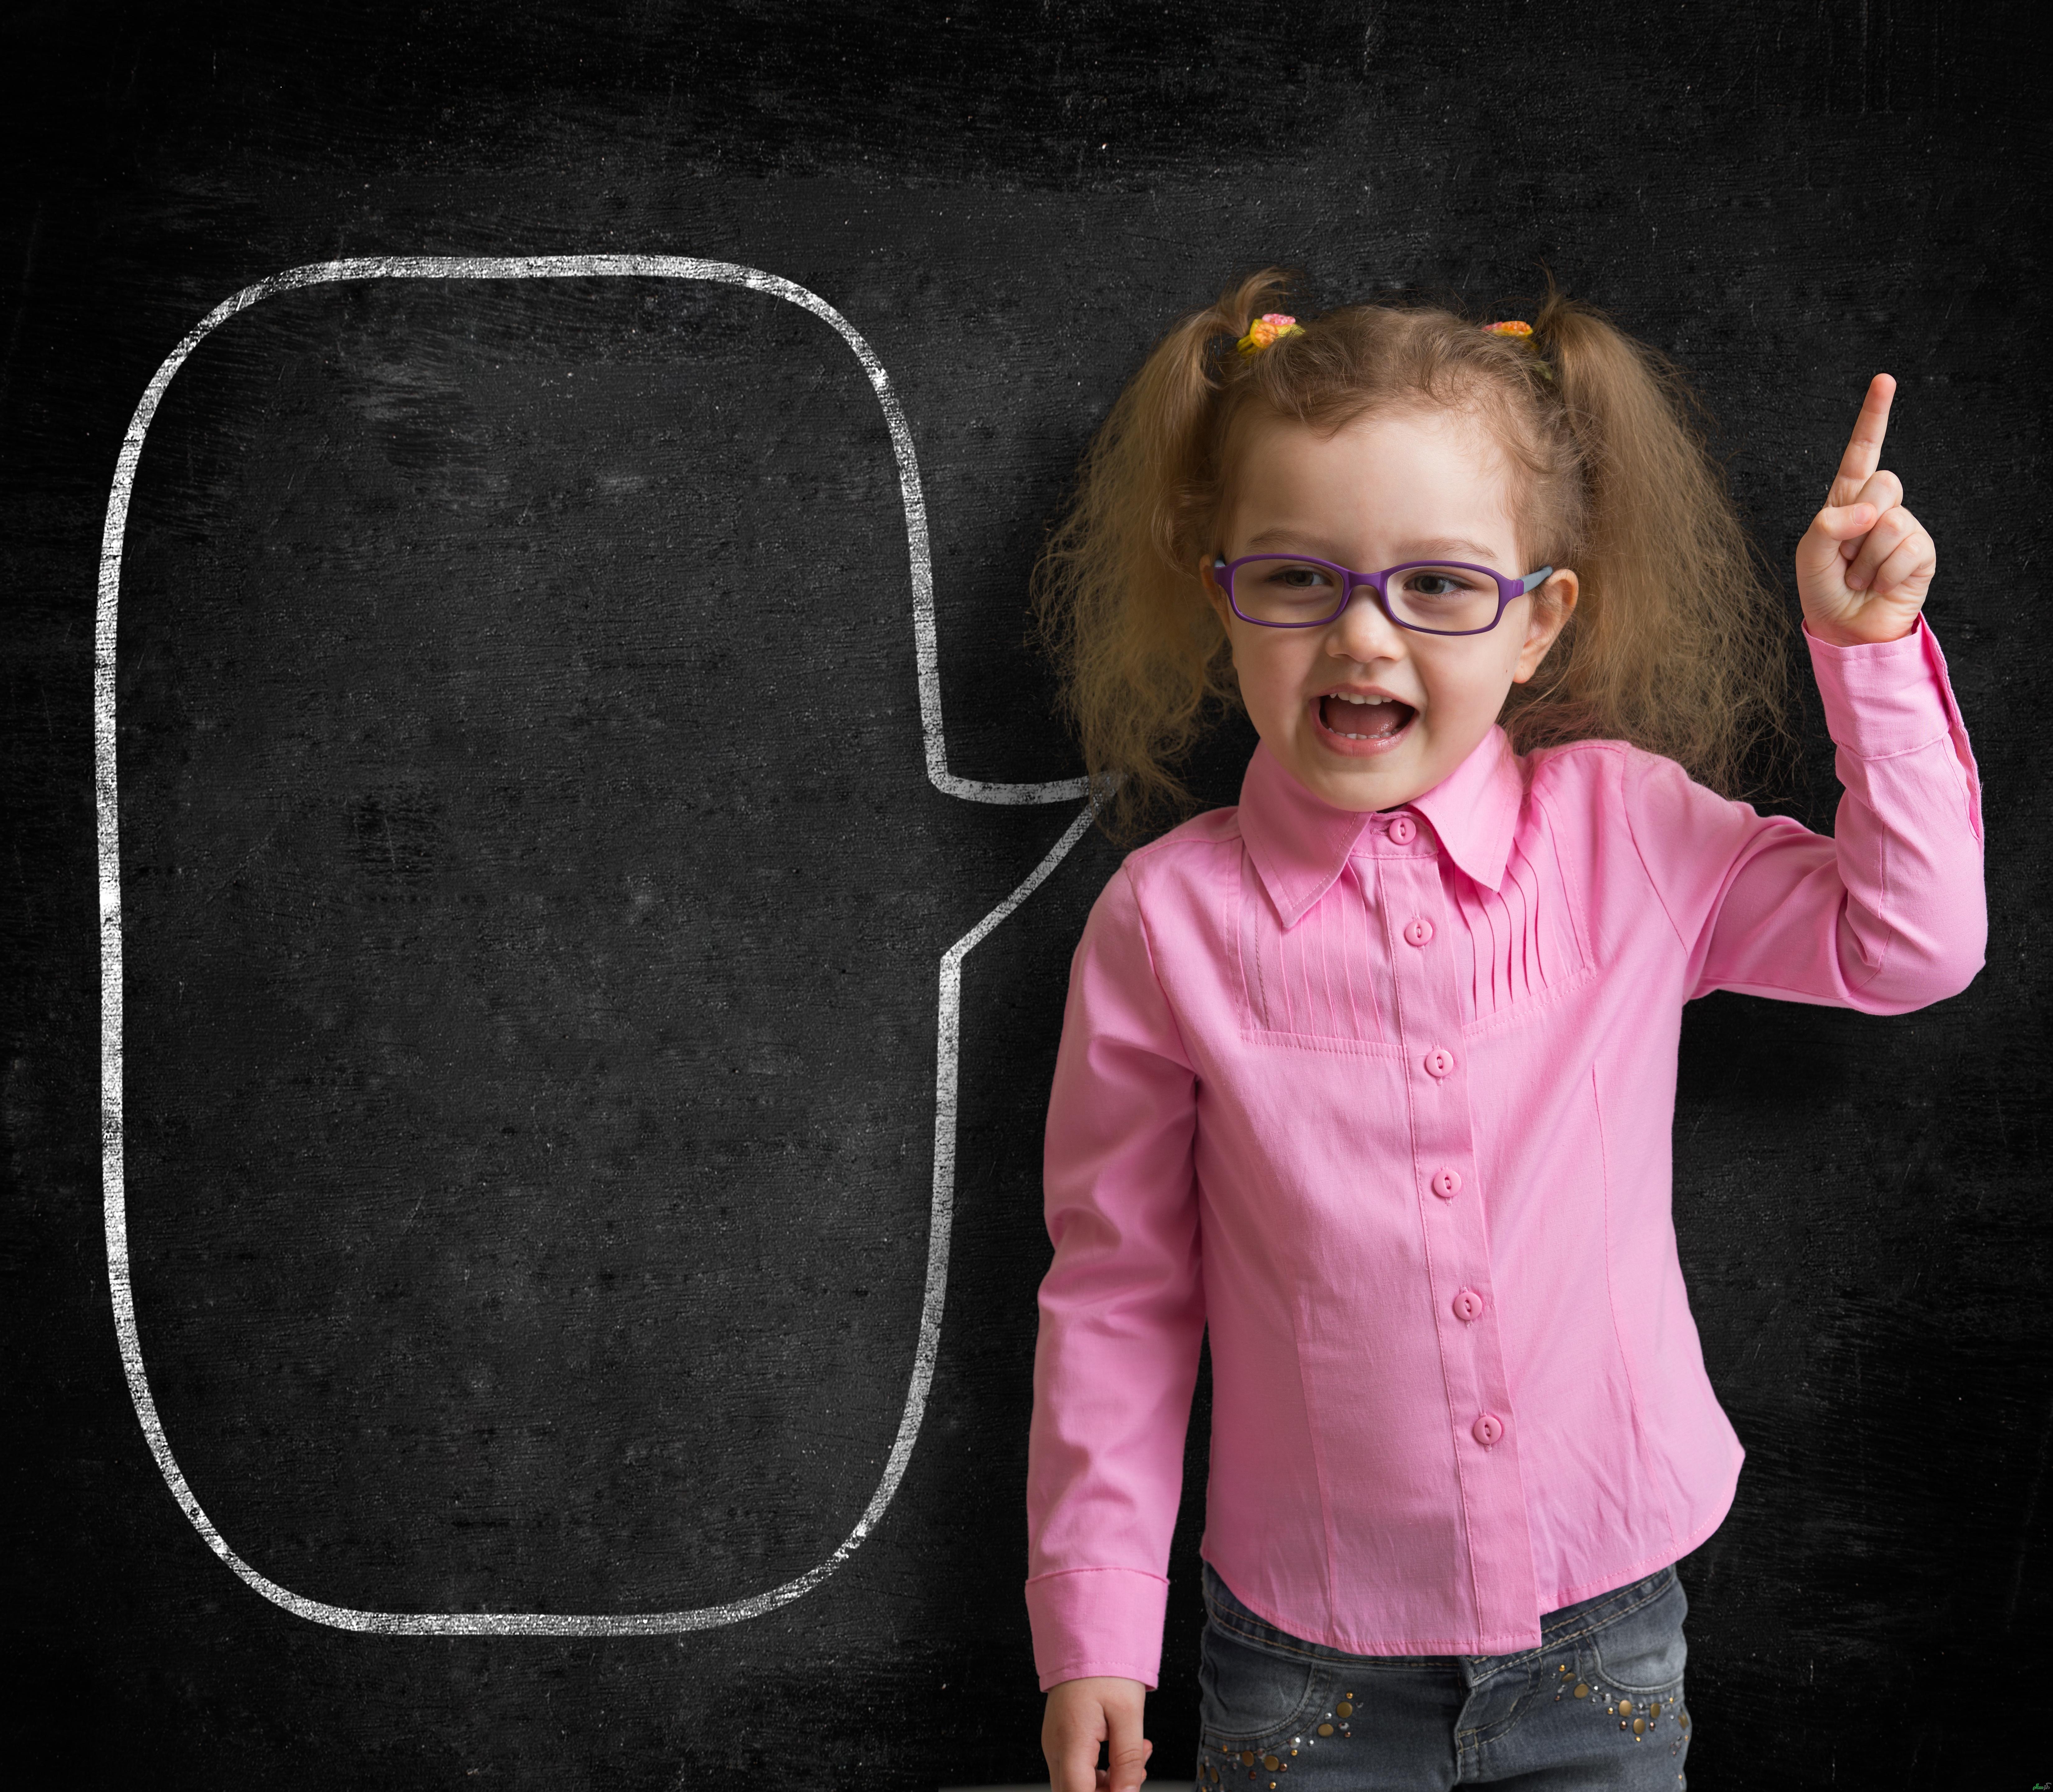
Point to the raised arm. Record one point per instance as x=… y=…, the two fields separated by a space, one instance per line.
x=1889 y=914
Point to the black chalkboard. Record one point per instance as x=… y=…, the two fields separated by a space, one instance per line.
x=536 y=707
x=542 y=884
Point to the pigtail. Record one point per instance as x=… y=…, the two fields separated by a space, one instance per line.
x=1116 y=597
x=1678 y=644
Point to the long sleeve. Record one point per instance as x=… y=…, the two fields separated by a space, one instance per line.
x=1121 y=1312
x=1885 y=916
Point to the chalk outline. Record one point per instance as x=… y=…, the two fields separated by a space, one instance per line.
x=948 y=1032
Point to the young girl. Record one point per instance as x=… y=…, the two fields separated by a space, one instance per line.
x=1373 y=1075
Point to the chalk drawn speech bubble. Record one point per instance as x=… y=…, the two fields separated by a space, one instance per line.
x=948 y=1024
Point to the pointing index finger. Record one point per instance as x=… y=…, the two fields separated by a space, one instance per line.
x=1863 y=453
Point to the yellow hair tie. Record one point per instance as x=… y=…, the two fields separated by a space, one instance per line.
x=1517 y=330
x=1271 y=326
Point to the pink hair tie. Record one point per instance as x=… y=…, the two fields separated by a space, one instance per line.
x=1271 y=326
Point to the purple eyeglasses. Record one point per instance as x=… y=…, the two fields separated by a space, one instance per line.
x=1432 y=597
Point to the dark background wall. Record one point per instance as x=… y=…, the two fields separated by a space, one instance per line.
x=531 y=958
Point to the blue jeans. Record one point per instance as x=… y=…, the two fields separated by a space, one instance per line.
x=1598 y=1704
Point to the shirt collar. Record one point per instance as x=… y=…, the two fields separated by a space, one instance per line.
x=1299 y=844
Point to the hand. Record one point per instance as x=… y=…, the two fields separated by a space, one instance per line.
x=1865 y=563
x=1083 y=1713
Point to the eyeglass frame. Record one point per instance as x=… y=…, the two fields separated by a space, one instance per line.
x=1509 y=590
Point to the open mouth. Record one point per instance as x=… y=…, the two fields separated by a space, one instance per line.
x=1369 y=719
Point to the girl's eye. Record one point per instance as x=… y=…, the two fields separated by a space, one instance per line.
x=1437 y=584
x=1300 y=578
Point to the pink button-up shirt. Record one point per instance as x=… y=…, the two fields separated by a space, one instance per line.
x=1385 y=1100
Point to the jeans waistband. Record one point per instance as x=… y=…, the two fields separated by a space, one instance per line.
x=1556 y=1628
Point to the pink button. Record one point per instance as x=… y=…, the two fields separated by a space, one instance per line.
x=1403 y=831
x=1439 y=1061
x=1417 y=932
x=1447 y=1184
x=1468 y=1305
x=1487 y=1429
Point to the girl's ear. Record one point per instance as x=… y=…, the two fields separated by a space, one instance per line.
x=1552 y=605
x=1216 y=597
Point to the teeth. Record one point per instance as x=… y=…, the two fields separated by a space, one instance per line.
x=1348 y=697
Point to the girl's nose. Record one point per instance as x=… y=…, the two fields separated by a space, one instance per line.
x=1362 y=633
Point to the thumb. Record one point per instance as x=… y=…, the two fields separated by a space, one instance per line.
x=1127 y=1751
x=1820 y=550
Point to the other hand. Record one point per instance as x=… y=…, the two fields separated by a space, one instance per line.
x=1083 y=1713
x=1865 y=563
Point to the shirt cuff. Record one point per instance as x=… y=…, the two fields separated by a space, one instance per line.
x=1885 y=698
x=1098 y=1621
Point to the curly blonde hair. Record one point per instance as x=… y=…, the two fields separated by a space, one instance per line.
x=1679 y=643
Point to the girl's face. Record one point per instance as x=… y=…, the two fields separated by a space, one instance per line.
x=1385 y=488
